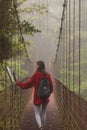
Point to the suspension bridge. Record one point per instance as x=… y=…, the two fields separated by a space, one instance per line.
x=68 y=107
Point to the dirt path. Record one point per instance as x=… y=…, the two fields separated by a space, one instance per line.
x=53 y=119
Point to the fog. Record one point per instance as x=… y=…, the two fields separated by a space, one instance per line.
x=44 y=44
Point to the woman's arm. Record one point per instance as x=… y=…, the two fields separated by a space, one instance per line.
x=28 y=84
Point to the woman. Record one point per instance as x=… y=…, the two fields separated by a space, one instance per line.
x=38 y=102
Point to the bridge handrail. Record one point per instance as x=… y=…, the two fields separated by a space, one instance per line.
x=72 y=107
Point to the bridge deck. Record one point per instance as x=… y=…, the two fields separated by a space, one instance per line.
x=53 y=119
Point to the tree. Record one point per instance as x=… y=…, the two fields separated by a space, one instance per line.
x=10 y=27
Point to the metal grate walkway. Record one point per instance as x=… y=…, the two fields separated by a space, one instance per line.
x=54 y=121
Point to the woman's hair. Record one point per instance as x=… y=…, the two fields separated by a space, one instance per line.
x=41 y=67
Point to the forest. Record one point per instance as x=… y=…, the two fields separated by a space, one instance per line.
x=32 y=30
x=45 y=22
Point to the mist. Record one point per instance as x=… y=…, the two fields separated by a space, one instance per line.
x=45 y=43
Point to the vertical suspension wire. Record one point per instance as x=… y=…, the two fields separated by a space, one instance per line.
x=19 y=68
x=69 y=38
x=64 y=78
x=79 y=47
x=11 y=94
x=62 y=43
x=5 y=93
x=47 y=17
x=73 y=51
x=74 y=10
x=64 y=57
x=19 y=73
x=15 y=69
x=61 y=61
x=66 y=41
x=68 y=62
x=1 y=93
x=63 y=49
x=79 y=58
x=40 y=17
x=57 y=68
x=5 y=85
x=5 y=97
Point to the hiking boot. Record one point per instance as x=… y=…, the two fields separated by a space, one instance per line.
x=41 y=128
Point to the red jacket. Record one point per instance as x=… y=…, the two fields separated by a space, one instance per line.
x=33 y=81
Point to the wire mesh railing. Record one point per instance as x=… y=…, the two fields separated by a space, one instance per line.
x=13 y=53
x=70 y=65
x=71 y=51
x=73 y=108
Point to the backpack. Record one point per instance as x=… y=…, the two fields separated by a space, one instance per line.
x=43 y=90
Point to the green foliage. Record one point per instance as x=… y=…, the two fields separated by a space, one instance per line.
x=35 y=8
x=20 y=1
x=13 y=26
x=10 y=46
x=11 y=43
x=28 y=28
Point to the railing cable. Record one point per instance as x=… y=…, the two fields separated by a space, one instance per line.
x=61 y=27
x=22 y=38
